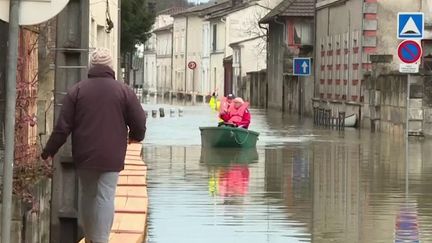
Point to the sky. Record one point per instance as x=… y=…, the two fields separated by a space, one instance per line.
x=198 y=1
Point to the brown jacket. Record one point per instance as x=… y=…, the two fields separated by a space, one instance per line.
x=98 y=112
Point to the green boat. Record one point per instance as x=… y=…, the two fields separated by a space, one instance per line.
x=228 y=137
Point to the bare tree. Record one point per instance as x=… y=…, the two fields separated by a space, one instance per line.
x=255 y=29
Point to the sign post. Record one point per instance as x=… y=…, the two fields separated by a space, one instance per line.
x=301 y=67
x=411 y=30
x=409 y=52
x=10 y=120
x=192 y=66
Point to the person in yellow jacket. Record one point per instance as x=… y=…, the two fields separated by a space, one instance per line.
x=214 y=102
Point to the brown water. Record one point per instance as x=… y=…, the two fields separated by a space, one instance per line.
x=301 y=184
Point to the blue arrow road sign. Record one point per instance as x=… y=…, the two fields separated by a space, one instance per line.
x=302 y=66
x=410 y=25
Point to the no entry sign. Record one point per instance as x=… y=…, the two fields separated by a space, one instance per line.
x=409 y=51
x=192 y=65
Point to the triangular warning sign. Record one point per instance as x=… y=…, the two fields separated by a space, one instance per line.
x=410 y=28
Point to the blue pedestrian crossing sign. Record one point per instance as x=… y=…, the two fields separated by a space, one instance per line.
x=410 y=25
x=302 y=66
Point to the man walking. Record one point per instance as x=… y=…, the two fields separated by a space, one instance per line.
x=102 y=114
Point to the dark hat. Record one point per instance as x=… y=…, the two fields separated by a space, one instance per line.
x=231 y=96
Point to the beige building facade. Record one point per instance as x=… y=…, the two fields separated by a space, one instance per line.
x=100 y=35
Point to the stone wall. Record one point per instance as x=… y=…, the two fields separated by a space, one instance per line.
x=385 y=103
x=37 y=224
x=32 y=225
x=255 y=89
x=424 y=89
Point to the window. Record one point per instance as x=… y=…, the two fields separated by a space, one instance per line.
x=158 y=76
x=206 y=39
x=182 y=44
x=302 y=33
x=176 y=44
x=427 y=55
x=214 y=38
x=165 y=74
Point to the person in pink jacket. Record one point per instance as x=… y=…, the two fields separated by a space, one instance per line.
x=225 y=106
x=239 y=115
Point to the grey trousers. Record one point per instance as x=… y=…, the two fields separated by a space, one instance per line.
x=97 y=203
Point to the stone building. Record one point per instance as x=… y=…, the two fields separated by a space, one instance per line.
x=357 y=68
x=290 y=34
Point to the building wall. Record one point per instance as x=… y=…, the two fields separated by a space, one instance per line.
x=345 y=41
x=387 y=27
x=150 y=71
x=217 y=54
x=207 y=87
x=250 y=56
x=245 y=60
x=98 y=36
x=178 y=69
x=243 y=24
x=275 y=65
x=163 y=69
x=217 y=72
x=194 y=53
x=163 y=60
x=163 y=20
x=338 y=36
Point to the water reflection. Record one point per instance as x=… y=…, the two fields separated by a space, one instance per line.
x=228 y=170
x=336 y=187
x=224 y=156
x=407 y=225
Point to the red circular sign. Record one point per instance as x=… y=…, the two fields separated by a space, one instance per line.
x=192 y=65
x=409 y=51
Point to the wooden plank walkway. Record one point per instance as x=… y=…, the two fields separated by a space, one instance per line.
x=131 y=203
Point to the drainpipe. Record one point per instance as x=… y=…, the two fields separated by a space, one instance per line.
x=361 y=64
x=119 y=56
x=282 y=79
x=10 y=120
x=172 y=59
x=223 y=20
x=349 y=58
x=314 y=54
x=267 y=59
x=264 y=28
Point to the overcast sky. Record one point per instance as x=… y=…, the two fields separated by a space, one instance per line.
x=198 y=1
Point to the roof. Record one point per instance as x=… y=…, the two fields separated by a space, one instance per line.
x=246 y=40
x=199 y=8
x=171 y=11
x=219 y=10
x=164 y=28
x=291 y=8
x=225 y=10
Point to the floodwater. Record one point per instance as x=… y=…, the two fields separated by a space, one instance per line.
x=301 y=184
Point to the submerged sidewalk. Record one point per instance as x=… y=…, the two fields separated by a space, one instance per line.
x=131 y=203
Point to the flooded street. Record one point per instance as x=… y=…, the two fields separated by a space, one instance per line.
x=301 y=184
